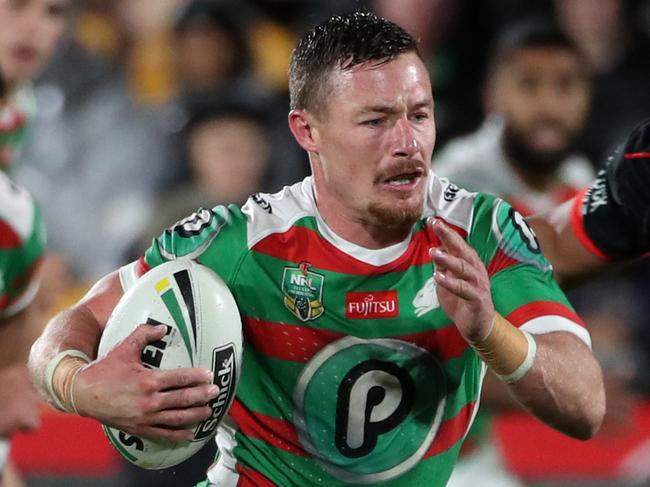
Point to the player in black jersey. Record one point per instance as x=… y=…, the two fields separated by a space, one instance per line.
x=608 y=221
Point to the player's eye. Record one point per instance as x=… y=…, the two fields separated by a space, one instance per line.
x=420 y=116
x=373 y=122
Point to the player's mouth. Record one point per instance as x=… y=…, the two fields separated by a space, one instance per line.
x=404 y=181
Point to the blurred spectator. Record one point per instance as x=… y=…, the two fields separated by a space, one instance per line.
x=609 y=40
x=93 y=158
x=210 y=46
x=450 y=44
x=145 y=37
x=537 y=98
x=229 y=153
x=29 y=33
x=212 y=53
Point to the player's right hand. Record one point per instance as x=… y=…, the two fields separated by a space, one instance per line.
x=120 y=391
x=20 y=403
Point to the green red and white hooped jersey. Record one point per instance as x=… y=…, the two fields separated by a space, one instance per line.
x=22 y=242
x=352 y=374
x=14 y=123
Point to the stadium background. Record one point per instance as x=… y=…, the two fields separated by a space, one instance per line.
x=112 y=140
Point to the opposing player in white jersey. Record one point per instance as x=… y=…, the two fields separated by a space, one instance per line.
x=373 y=295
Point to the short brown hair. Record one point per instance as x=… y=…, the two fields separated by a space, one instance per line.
x=342 y=42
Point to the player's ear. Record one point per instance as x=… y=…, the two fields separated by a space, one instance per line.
x=302 y=126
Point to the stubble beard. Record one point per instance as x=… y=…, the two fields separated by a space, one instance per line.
x=394 y=216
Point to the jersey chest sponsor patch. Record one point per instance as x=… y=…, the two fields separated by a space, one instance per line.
x=371 y=305
x=368 y=409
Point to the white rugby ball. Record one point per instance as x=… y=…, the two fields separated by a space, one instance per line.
x=204 y=330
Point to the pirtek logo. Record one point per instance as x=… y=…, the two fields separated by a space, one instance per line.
x=371 y=305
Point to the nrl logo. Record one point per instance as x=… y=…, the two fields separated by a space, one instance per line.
x=303 y=291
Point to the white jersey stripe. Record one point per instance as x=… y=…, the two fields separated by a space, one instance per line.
x=550 y=323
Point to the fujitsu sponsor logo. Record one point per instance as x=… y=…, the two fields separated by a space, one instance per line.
x=371 y=305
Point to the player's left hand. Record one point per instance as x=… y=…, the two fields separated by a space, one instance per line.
x=462 y=284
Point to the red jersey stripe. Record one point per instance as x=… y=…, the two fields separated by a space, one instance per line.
x=290 y=245
x=300 y=343
x=287 y=342
x=281 y=434
x=536 y=309
x=141 y=267
x=9 y=239
x=451 y=431
x=578 y=226
x=499 y=262
x=251 y=478
x=276 y=432
x=446 y=343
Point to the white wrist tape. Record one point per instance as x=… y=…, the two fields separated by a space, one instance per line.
x=526 y=365
x=51 y=368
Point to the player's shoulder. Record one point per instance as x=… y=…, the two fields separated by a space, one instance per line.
x=18 y=211
x=456 y=205
x=192 y=235
x=232 y=227
x=269 y=213
x=487 y=222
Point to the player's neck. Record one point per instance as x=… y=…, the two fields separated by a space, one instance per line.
x=350 y=227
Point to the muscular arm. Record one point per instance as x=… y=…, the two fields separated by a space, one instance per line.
x=118 y=389
x=78 y=328
x=564 y=387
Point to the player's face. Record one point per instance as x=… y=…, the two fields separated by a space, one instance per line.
x=29 y=30
x=544 y=98
x=374 y=142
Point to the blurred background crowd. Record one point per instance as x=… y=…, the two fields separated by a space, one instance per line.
x=152 y=108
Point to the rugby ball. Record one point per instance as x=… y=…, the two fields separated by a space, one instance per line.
x=204 y=330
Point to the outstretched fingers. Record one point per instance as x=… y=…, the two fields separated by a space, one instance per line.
x=458 y=287
x=457 y=266
x=450 y=240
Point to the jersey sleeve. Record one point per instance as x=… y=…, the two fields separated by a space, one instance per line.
x=22 y=243
x=611 y=218
x=524 y=290
x=213 y=237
